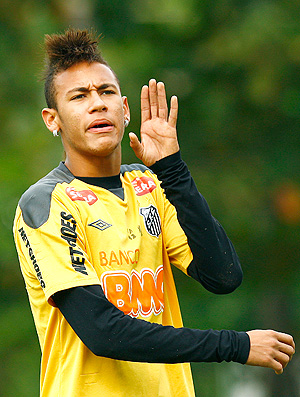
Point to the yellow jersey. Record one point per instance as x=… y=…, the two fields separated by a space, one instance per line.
x=69 y=233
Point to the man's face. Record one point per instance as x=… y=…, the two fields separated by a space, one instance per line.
x=90 y=111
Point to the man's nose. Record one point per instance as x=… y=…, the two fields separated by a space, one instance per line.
x=97 y=103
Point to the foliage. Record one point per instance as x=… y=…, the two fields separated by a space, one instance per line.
x=234 y=64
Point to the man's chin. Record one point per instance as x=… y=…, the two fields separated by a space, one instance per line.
x=105 y=150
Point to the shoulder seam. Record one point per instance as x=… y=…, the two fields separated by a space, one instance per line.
x=36 y=201
x=134 y=167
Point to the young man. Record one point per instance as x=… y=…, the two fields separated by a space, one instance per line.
x=96 y=240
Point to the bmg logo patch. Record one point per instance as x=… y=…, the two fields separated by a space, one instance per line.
x=151 y=220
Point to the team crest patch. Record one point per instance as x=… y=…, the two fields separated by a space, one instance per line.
x=151 y=220
x=100 y=224
x=143 y=185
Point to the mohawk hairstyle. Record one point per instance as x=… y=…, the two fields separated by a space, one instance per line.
x=65 y=50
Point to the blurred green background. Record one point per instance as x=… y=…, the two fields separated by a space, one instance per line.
x=234 y=65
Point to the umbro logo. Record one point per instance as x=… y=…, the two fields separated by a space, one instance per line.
x=100 y=224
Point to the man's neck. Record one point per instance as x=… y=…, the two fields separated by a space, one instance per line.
x=94 y=166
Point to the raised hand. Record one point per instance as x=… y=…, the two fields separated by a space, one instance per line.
x=158 y=126
x=270 y=349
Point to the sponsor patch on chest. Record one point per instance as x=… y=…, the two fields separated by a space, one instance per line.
x=81 y=195
x=143 y=185
x=136 y=293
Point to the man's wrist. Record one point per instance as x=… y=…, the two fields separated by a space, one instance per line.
x=169 y=161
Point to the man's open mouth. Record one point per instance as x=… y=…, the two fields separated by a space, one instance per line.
x=98 y=126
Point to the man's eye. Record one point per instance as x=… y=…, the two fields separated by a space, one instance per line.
x=108 y=92
x=79 y=96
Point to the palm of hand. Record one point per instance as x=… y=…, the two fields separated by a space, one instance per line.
x=158 y=129
x=158 y=140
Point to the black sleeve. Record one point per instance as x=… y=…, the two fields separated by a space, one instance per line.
x=108 y=332
x=215 y=263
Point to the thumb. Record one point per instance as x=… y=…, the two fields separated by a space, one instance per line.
x=136 y=145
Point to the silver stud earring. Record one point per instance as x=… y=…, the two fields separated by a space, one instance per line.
x=126 y=123
x=55 y=133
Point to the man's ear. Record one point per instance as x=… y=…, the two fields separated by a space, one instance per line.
x=51 y=119
x=126 y=107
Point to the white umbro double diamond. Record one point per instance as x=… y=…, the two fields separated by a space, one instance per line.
x=100 y=224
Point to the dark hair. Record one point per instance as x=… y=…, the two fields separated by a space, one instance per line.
x=65 y=50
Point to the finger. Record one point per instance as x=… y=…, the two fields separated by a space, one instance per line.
x=134 y=140
x=282 y=358
x=173 y=112
x=162 y=101
x=286 y=338
x=275 y=365
x=287 y=349
x=145 y=105
x=153 y=98
x=279 y=372
x=136 y=145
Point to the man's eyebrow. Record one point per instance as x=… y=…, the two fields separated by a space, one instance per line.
x=78 y=89
x=86 y=89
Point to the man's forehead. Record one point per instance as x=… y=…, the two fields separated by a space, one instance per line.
x=85 y=75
